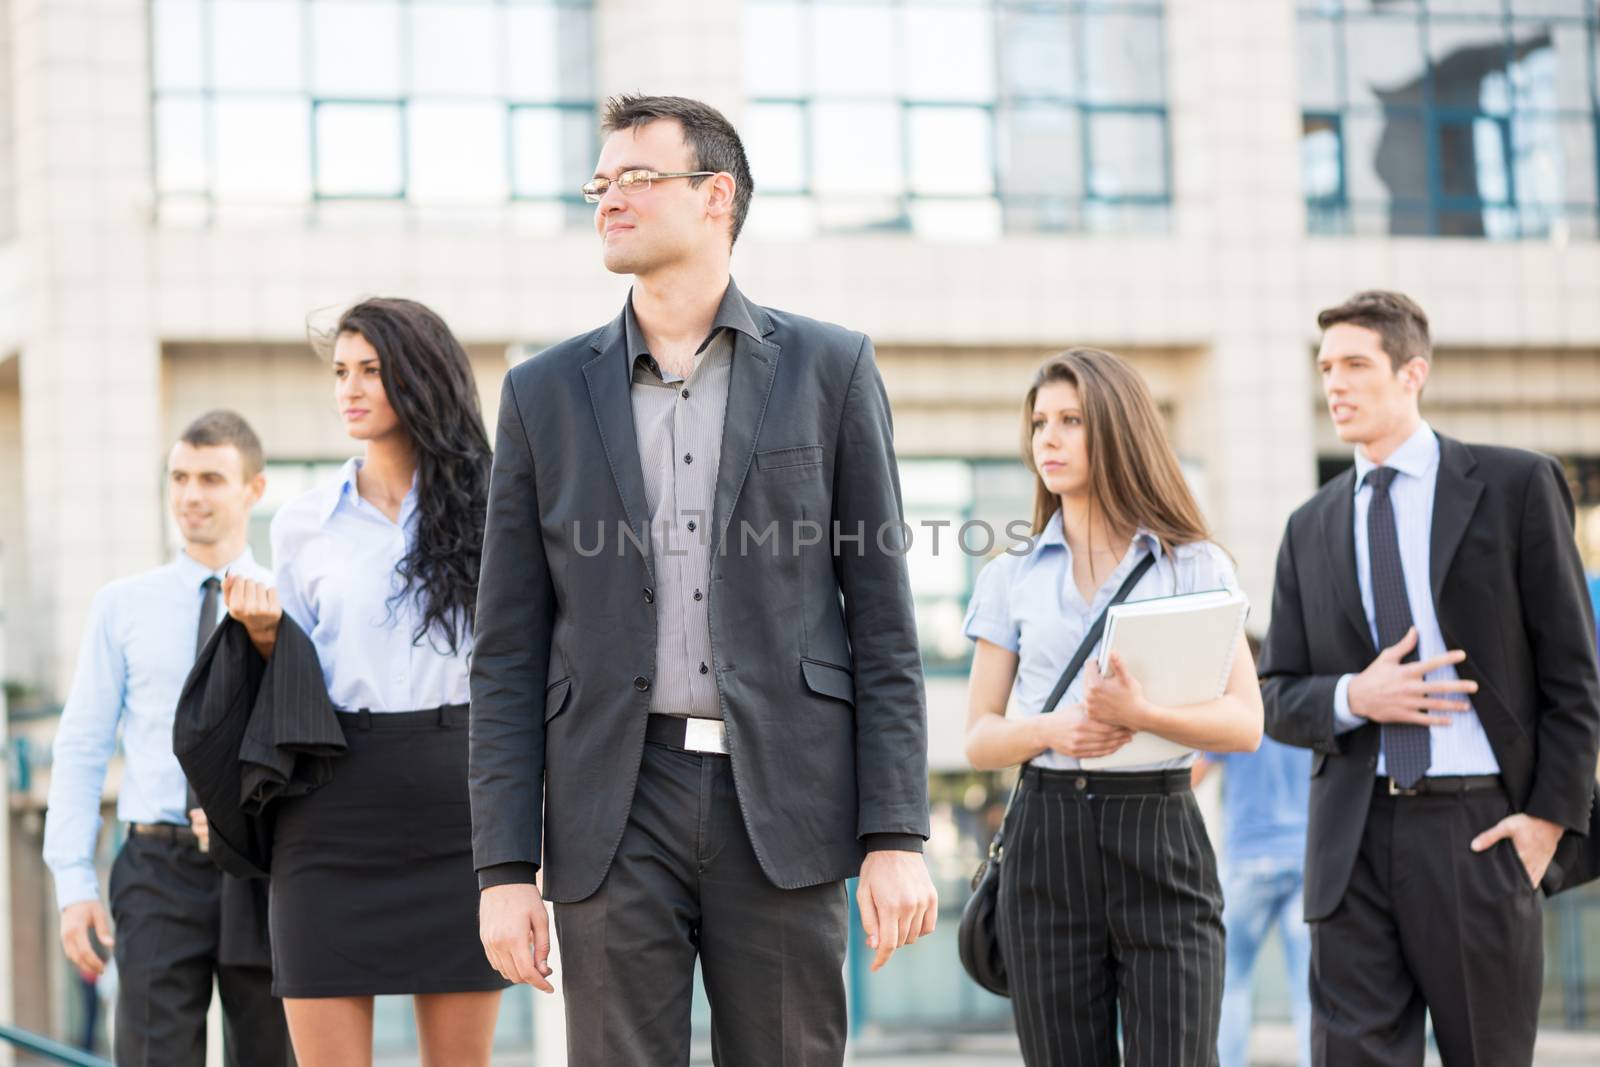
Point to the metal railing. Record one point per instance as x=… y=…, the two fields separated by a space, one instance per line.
x=53 y=1051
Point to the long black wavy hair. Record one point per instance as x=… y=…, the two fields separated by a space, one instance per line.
x=429 y=383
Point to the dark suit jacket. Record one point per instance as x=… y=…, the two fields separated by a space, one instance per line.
x=248 y=731
x=1510 y=591
x=815 y=650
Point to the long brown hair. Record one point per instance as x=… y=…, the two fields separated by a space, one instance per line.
x=1134 y=475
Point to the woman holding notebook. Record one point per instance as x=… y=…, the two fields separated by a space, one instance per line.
x=1109 y=908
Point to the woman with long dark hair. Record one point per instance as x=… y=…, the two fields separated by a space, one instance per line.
x=1109 y=911
x=372 y=889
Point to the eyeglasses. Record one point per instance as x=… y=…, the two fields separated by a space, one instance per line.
x=635 y=181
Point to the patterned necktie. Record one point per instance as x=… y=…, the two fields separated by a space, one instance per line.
x=208 y=614
x=1406 y=748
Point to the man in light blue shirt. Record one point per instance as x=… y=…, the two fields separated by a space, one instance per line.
x=179 y=922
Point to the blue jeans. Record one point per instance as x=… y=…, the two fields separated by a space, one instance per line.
x=1256 y=893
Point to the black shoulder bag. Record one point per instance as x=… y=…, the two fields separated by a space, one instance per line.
x=977 y=939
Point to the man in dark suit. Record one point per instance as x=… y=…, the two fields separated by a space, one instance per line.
x=1430 y=642
x=696 y=690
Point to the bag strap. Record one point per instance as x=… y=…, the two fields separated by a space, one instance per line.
x=1079 y=657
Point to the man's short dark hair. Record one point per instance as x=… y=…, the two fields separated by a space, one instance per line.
x=1394 y=317
x=223 y=427
x=706 y=131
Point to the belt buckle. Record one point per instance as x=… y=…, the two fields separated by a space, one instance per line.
x=705 y=735
x=1396 y=791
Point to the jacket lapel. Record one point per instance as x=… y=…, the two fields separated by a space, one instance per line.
x=1338 y=531
x=755 y=367
x=609 y=389
x=1455 y=498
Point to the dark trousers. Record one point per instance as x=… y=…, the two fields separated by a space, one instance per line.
x=1428 y=923
x=1110 y=909
x=179 y=922
x=685 y=882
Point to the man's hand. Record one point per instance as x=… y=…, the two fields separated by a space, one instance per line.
x=201 y=827
x=1535 y=840
x=515 y=932
x=256 y=606
x=77 y=920
x=1070 y=732
x=897 y=900
x=1391 y=691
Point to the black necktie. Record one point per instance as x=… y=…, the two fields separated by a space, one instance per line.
x=1406 y=748
x=208 y=614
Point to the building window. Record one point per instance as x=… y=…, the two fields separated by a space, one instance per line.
x=263 y=107
x=1456 y=118
x=957 y=119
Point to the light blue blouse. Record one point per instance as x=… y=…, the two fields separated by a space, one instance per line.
x=1029 y=604
x=336 y=558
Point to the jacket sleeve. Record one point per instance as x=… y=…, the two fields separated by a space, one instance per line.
x=510 y=660
x=891 y=718
x=1298 y=703
x=1559 y=622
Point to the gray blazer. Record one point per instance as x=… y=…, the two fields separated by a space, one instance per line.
x=814 y=642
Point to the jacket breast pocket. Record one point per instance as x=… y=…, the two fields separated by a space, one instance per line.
x=790 y=464
x=555 y=698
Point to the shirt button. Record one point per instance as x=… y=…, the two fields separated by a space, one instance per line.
x=641 y=683
x=691 y=526
x=649 y=595
x=687 y=458
x=686 y=394
x=698 y=595
x=704 y=668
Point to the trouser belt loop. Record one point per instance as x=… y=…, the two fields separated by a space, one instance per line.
x=365 y=722
x=445 y=716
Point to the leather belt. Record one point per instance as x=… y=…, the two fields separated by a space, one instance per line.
x=709 y=736
x=165 y=831
x=1443 y=785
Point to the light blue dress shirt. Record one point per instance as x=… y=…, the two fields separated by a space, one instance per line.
x=337 y=558
x=137 y=650
x=1462 y=747
x=1030 y=605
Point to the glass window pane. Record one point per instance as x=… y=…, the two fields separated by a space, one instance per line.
x=775 y=139
x=1127 y=155
x=1576 y=9
x=1577 y=162
x=1041 y=152
x=181 y=164
x=359 y=150
x=856 y=148
x=355 y=48
x=1466 y=59
x=1319 y=64
x=1568 y=48
x=457 y=152
x=1039 y=54
x=1472 y=160
x=533 y=69
x=452 y=49
x=949 y=53
x=860 y=50
x=956 y=220
x=770 y=71
x=1467 y=7
x=1124 y=56
x=1319 y=158
x=1385 y=159
x=257 y=44
x=951 y=151
x=1383 y=62
x=553 y=151
x=177 y=41
x=263 y=150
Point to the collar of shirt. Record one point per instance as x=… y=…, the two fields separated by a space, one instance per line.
x=733 y=313
x=1053 y=536
x=345 y=491
x=1415 y=458
x=195 y=573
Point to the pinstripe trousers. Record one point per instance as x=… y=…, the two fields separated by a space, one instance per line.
x=1110 y=910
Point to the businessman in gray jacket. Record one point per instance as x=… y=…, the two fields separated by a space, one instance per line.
x=696 y=692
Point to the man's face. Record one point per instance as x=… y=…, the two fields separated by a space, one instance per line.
x=208 y=492
x=1368 y=399
x=653 y=228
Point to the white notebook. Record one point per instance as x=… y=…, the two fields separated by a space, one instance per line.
x=1181 y=649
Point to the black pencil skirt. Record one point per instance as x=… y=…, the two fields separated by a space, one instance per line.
x=373 y=890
